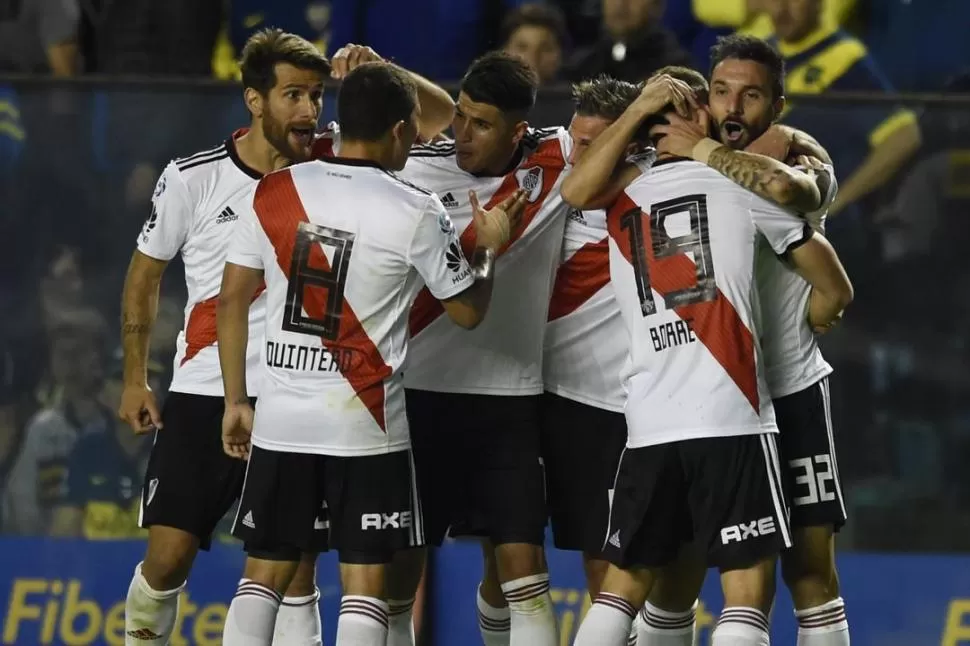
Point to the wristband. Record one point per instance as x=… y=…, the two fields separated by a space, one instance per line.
x=702 y=149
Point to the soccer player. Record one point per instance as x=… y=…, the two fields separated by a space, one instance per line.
x=747 y=82
x=473 y=398
x=190 y=483
x=583 y=428
x=344 y=246
x=701 y=464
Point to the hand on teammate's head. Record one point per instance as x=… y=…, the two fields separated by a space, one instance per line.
x=663 y=90
x=679 y=136
x=349 y=57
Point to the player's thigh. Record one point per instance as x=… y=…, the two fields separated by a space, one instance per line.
x=809 y=463
x=281 y=513
x=581 y=447
x=503 y=472
x=190 y=483
x=648 y=520
x=736 y=499
x=374 y=507
x=435 y=442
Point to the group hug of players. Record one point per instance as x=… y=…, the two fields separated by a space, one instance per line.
x=609 y=328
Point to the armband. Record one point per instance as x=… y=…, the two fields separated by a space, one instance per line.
x=483 y=264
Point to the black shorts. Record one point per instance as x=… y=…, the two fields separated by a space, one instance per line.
x=807 y=446
x=190 y=483
x=477 y=459
x=364 y=507
x=581 y=448
x=721 y=495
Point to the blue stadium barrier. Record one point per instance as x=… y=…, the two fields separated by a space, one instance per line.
x=71 y=592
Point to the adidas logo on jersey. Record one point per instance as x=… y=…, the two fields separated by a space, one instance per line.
x=227 y=215
x=248 y=520
x=449 y=201
x=577 y=216
x=615 y=539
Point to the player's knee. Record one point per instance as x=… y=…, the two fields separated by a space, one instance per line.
x=403 y=575
x=679 y=583
x=304 y=582
x=169 y=557
x=752 y=587
x=595 y=568
x=517 y=560
x=363 y=579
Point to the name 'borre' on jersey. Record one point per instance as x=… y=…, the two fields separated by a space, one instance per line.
x=503 y=355
x=194 y=212
x=683 y=240
x=345 y=247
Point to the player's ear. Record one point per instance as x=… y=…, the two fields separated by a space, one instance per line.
x=397 y=131
x=254 y=101
x=778 y=106
x=519 y=130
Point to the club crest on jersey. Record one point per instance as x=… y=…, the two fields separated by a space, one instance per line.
x=530 y=181
x=445 y=223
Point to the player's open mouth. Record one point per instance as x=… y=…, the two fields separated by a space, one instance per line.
x=303 y=136
x=733 y=130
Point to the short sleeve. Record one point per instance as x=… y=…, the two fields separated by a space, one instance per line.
x=244 y=247
x=780 y=228
x=436 y=253
x=167 y=228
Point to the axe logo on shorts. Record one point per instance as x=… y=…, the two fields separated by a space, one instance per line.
x=394 y=520
x=744 y=531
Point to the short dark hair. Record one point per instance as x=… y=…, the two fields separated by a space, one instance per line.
x=694 y=79
x=603 y=96
x=749 y=48
x=502 y=80
x=372 y=99
x=536 y=14
x=268 y=47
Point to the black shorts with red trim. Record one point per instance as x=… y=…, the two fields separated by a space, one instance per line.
x=811 y=469
x=478 y=466
x=722 y=495
x=190 y=483
x=364 y=507
x=581 y=448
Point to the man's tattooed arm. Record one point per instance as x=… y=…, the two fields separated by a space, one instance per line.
x=768 y=178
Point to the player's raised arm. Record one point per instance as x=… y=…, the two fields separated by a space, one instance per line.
x=600 y=176
x=437 y=106
x=493 y=229
x=160 y=239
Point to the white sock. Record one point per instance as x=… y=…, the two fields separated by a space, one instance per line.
x=533 y=618
x=252 y=615
x=362 y=622
x=493 y=623
x=149 y=614
x=740 y=626
x=658 y=627
x=607 y=623
x=400 y=628
x=824 y=625
x=298 y=621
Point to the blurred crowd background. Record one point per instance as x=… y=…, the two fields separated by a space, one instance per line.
x=96 y=96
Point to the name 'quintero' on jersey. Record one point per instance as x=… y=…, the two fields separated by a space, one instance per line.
x=503 y=355
x=345 y=247
x=683 y=241
x=194 y=212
